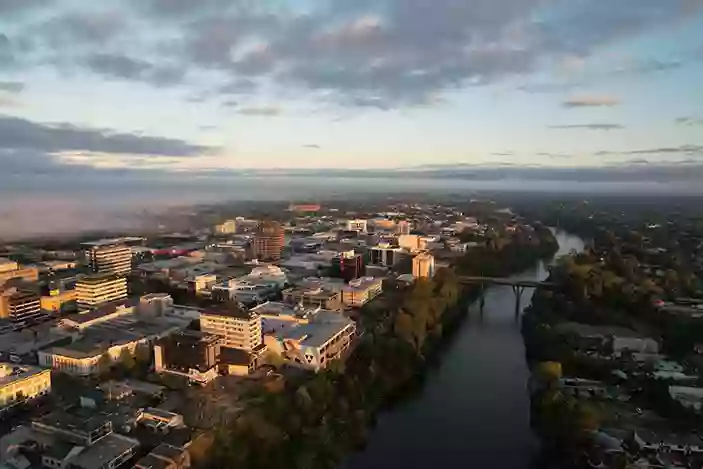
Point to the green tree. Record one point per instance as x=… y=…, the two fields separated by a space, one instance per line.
x=104 y=363
x=127 y=360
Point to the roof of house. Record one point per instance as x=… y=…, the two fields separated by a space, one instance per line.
x=104 y=451
x=234 y=356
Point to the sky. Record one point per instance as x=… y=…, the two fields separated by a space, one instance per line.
x=136 y=104
x=179 y=86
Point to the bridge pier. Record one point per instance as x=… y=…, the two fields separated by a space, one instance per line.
x=518 y=291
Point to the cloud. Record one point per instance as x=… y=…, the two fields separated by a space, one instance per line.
x=8 y=101
x=21 y=134
x=689 y=121
x=117 y=65
x=683 y=149
x=354 y=53
x=591 y=101
x=313 y=146
x=11 y=86
x=269 y=111
x=594 y=126
x=17 y=6
x=230 y=103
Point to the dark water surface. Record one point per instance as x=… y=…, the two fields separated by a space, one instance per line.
x=474 y=410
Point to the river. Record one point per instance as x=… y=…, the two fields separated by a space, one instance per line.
x=473 y=410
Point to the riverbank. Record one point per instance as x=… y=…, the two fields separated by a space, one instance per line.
x=318 y=420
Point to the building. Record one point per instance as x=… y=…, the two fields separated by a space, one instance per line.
x=165 y=456
x=314 y=295
x=94 y=290
x=403 y=227
x=238 y=328
x=109 y=257
x=97 y=349
x=313 y=345
x=10 y=269
x=348 y=266
x=191 y=354
x=360 y=291
x=79 y=426
x=423 y=265
x=304 y=208
x=18 y=305
x=20 y=383
x=360 y=226
x=59 y=301
x=412 y=243
x=269 y=273
x=155 y=305
x=226 y=228
x=234 y=361
x=386 y=255
x=268 y=241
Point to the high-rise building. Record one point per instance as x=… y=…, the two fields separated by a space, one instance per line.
x=186 y=351
x=238 y=328
x=94 y=290
x=19 y=304
x=386 y=255
x=109 y=258
x=423 y=265
x=412 y=242
x=225 y=228
x=268 y=241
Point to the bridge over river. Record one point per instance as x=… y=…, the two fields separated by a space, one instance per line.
x=518 y=286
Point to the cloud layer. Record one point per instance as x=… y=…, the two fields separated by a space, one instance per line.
x=383 y=54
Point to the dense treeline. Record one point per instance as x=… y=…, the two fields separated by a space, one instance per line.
x=501 y=255
x=317 y=419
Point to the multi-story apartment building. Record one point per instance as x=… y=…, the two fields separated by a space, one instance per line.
x=110 y=258
x=19 y=383
x=348 y=265
x=93 y=290
x=239 y=328
x=269 y=238
x=19 y=305
x=423 y=265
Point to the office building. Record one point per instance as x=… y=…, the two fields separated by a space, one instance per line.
x=94 y=290
x=19 y=305
x=106 y=257
x=226 y=228
x=386 y=255
x=313 y=345
x=20 y=383
x=10 y=269
x=165 y=456
x=360 y=291
x=348 y=266
x=238 y=328
x=268 y=241
x=360 y=226
x=191 y=354
x=155 y=305
x=423 y=265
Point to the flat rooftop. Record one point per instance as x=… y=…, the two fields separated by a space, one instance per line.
x=106 y=450
x=10 y=373
x=78 y=420
x=317 y=332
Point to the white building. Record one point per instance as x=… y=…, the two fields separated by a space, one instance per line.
x=19 y=383
x=110 y=258
x=239 y=328
x=357 y=225
x=94 y=290
x=313 y=345
x=386 y=255
x=269 y=273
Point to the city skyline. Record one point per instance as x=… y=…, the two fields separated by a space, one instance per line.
x=117 y=88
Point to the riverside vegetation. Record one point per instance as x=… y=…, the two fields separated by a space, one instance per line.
x=317 y=419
